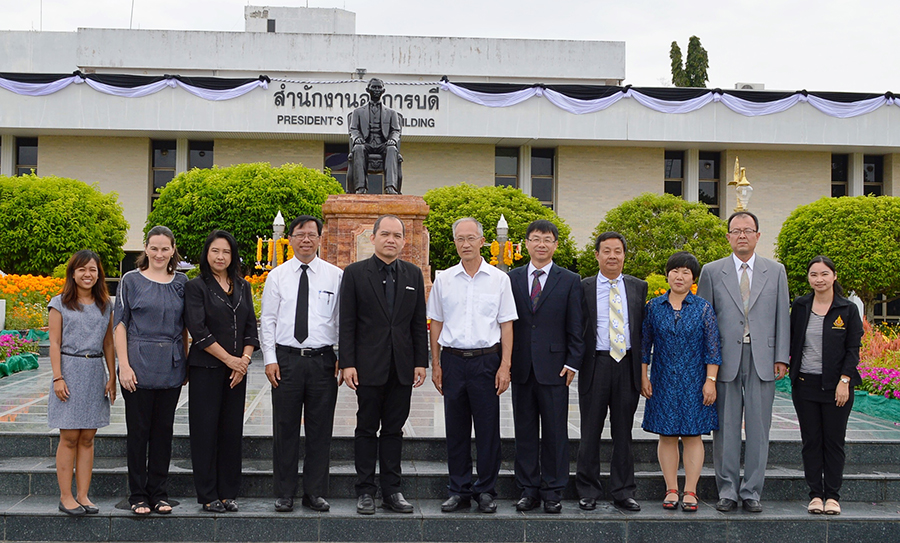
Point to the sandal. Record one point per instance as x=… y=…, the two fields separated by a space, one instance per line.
x=140 y=505
x=159 y=506
x=668 y=504
x=815 y=507
x=689 y=507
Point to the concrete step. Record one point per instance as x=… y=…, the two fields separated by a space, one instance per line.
x=35 y=518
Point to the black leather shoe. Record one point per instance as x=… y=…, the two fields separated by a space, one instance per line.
x=455 y=503
x=316 y=503
x=396 y=502
x=752 y=506
x=75 y=511
x=214 y=507
x=588 y=504
x=628 y=504
x=552 y=507
x=391 y=189
x=527 y=503
x=284 y=505
x=365 y=505
x=725 y=505
x=486 y=503
x=230 y=505
x=90 y=509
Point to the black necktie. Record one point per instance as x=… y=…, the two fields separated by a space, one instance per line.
x=301 y=317
x=389 y=287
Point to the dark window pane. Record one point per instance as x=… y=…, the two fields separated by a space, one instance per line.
x=506 y=165
x=542 y=188
x=838 y=190
x=709 y=165
x=201 y=154
x=337 y=162
x=893 y=308
x=674 y=164
x=709 y=192
x=840 y=167
x=715 y=211
x=879 y=310
x=161 y=177
x=874 y=190
x=674 y=187
x=502 y=181
x=873 y=169
x=164 y=154
x=27 y=155
x=270 y=25
x=542 y=162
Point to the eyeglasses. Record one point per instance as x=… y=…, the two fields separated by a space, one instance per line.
x=311 y=237
x=746 y=231
x=470 y=239
x=545 y=241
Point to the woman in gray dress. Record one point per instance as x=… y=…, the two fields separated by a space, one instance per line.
x=150 y=342
x=80 y=340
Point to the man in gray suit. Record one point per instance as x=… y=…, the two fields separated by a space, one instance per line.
x=750 y=296
x=374 y=128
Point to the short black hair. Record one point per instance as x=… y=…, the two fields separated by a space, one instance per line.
x=388 y=216
x=543 y=226
x=743 y=214
x=610 y=235
x=234 y=269
x=683 y=259
x=303 y=219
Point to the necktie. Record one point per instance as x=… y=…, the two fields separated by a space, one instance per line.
x=616 y=323
x=745 y=296
x=536 y=288
x=390 y=287
x=301 y=317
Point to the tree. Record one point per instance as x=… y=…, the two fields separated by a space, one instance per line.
x=693 y=73
x=487 y=204
x=242 y=199
x=860 y=234
x=43 y=220
x=655 y=226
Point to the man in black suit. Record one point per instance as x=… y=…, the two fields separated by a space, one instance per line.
x=610 y=376
x=384 y=352
x=547 y=351
x=374 y=128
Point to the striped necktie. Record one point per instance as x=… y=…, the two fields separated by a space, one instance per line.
x=616 y=323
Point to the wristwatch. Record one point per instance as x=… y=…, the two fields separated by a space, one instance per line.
x=711 y=378
x=845 y=380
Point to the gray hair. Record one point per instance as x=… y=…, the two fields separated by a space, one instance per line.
x=472 y=219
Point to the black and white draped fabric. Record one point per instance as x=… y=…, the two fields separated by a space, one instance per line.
x=131 y=86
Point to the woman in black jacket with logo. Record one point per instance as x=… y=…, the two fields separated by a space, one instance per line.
x=826 y=332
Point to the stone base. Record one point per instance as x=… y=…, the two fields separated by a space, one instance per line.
x=348 y=224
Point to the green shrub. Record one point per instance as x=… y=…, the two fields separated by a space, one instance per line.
x=242 y=199
x=43 y=220
x=486 y=204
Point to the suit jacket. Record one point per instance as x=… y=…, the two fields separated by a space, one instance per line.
x=370 y=339
x=770 y=331
x=359 y=124
x=550 y=336
x=636 y=295
x=211 y=316
x=842 y=333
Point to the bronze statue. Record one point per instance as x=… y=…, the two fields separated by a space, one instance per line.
x=374 y=143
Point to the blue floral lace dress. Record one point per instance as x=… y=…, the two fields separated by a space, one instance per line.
x=683 y=343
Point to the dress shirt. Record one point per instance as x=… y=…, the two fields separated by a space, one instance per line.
x=471 y=308
x=603 y=286
x=737 y=267
x=279 y=304
x=542 y=278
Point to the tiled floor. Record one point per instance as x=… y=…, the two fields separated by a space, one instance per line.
x=23 y=408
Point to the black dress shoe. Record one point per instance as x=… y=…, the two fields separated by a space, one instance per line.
x=75 y=511
x=752 y=506
x=316 y=503
x=214 y=507
x=391 y=189
x=527 y=503
x=90 y=509
x=396 y=502
x=588 y=504
x=725 y=505
x=486 y=503
x=455 y=503
x=365 y=505
x=230 y=505
x=284 y=505
x=628 y=504
x=552 y=507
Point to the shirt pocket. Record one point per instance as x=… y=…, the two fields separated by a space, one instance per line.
x=324 y=304
x=488 y=304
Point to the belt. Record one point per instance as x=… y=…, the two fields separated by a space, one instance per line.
x=308 y=353
x=89 y=355
x=469 y=353
x=606 y=353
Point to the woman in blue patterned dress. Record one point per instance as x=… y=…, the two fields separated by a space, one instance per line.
x=681 y=390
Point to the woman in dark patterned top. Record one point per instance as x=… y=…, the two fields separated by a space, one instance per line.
x=681 y=389
x=219 y=314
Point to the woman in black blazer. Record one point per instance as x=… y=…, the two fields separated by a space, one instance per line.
x=826 y=332
x=218 y=312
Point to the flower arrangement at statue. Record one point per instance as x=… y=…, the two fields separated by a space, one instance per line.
x=511 y=252
x=495 y=252
x=280 y=249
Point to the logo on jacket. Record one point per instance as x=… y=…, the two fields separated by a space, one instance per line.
x=838 y=323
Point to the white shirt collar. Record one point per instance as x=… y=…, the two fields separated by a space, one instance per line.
x=738 y=262
x=545 y=269
x=603 y=279
x=482 y=268
x=313 y=264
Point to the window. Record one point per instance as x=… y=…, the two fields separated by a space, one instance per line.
x=337 y=160
x=26 y=155
x=873 y=175
x=163 y=166
x=201 y=155
x=270 y=25
x=709 y=181
x=506 y=167
x=674 y=183
x=887 y=312
x=840 y=174
x=543 y=186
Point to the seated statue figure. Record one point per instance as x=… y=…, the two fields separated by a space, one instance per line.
x=374 y=143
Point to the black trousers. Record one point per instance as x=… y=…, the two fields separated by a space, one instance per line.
x=823 y=426
x=612 y=390
x=149 y=417
x=216 y=418
x=306 y=382
x=540 y=416
x=470 y=397
x=385 y=406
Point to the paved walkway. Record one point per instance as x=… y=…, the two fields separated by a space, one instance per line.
x=23 y=408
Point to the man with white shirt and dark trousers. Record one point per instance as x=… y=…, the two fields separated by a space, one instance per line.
x=472 y=310
x=299 y=328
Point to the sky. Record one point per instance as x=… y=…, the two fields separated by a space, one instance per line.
x=847 y=45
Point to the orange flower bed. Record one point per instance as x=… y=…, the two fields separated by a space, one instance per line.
x=29 y=289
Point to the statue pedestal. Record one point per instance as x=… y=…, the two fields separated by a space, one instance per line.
x=348 y=224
